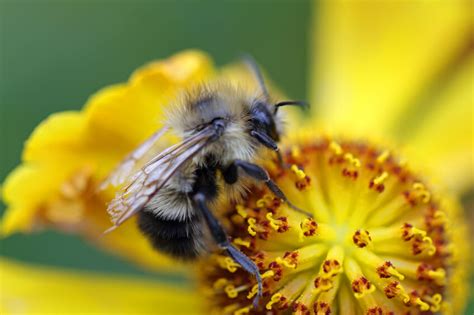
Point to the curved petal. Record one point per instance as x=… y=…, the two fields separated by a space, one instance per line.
x=29 y=289
x=59 y=133
x=444 y=137
x=22 y=196
x=372 y=58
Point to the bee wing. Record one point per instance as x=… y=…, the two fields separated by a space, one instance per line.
x=153 y=176
x=135 y=160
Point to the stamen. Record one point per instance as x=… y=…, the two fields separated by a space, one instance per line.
x=280 y=225
x=321 y=308
x=408 y=232
x=220 y=283
x=387 y=270
x=352 y=160
x=361 y=287
x=231 y=291
x=335 y=148
x=435 y=301
x=361 y=238
x=322 y=284
x=276 y=298
x=428 y=273
x=253 y=292
x=266 y=202
x=308 y=228
x=241 y=211
x=421 y=192
x=381 y=178
x=288 y=261
x=359 y=283
x=241 y=242
x=383 y=157
x=300 y=174
x=394 y=289
x=252 y=228
x=243 y=310
x=227 y=263
x=423 y=244
x=416 y=300
x=302 y=180
x=295 y=152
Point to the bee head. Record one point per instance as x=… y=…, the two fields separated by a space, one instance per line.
x=262 y=117
x=262 y=121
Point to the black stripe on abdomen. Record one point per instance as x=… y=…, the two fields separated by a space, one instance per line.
x=180 y=239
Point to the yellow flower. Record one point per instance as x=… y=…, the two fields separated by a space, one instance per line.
x=382 y=238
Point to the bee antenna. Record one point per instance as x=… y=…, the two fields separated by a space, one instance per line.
x=301 y=104
x=255 y=69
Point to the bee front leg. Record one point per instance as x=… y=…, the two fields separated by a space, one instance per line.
x=259 y=173
x=222 y=240
x=267 y=141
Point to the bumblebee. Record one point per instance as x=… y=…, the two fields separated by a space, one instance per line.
x=172 y=189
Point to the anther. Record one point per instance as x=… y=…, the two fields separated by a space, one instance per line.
x=242 y=311
x=241 y=211
x=362 y=287
x=422 y=192
x=308 y=228
x=381 y=178
x=241 y=242
x=361 y=238
x=335 y=147
x=352 y=160
x=276 y=298
x=383 y=156
x=252 y=226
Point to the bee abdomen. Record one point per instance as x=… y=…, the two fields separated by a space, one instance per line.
x=180 y=239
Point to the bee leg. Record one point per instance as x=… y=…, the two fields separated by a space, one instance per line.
x=281 y=162
x=222 y=240
x=267 y=141
x=259 y=173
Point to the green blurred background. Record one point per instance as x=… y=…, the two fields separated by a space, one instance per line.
x=55 y=54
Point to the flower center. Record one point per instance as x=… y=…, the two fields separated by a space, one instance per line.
x=377 y=242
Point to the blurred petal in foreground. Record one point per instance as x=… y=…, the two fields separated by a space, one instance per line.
x=26 y=289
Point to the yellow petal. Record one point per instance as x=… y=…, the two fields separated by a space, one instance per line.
x=444 y=139
x=130 y=113
x=55 y=195
x=59 y=132
x=26 y=289
x=23 y=190
x=371 y=58
x=65 y=141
